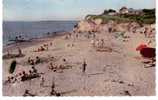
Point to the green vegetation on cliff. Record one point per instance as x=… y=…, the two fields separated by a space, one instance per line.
x=147 y=16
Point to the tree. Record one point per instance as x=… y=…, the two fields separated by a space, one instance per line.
x=111 y=10
x=105 y=12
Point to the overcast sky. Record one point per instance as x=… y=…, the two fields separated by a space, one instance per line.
x=28 y=10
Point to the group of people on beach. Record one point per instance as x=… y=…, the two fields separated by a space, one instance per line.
x=21 y=76
x=98 y=43
x=148 y=31
x=55 y=67
x=34 y=61
x=44 y=47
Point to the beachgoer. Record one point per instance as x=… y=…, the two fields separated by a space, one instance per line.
x=110 y=29
x=29 y=60
x=102 y=43
x=51 y=66
x=51 y=44
x=84 y=65
x=8 y=80
x=46 y=47
x=30 y=72
x=69 y=35
x=42 y=81
x=24 y=74
x=97 y=43
x=42 y=48
x=20 y=51
x=16 y=39
x=92 y=43
x=93 y=35
x=38 y=60
x=64 y=60
x=53 y=92
x=26 y=93
x=34 y=69
x=8 y=52
x=32 y=62
x=76 y=35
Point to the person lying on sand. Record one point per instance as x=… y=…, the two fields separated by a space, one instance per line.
x=27 y=93
x=70 y=45
x=42 y=48
x=46 y=46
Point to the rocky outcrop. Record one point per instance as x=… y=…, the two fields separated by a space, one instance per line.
x=88 y=26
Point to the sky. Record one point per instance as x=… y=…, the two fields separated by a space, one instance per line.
x=33 y=10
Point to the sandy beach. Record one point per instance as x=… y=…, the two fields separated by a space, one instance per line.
x=115 y=71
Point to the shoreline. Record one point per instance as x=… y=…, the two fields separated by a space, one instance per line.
x=33 y=42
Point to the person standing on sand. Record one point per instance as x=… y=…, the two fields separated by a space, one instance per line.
x=8 y=53
x=20 y=51
x=42 y=82
x=84 y=65
x=102 y=43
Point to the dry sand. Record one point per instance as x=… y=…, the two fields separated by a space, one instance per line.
x=107 y=73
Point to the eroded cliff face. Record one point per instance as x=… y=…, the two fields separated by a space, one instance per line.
x=97 y=26
x=88 y=26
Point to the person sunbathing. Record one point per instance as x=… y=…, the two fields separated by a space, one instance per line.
x=27 y=93
x=42 y=48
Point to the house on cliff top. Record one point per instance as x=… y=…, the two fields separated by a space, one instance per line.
x=123 y=10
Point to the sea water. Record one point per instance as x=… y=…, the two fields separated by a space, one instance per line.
x=35 y=29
